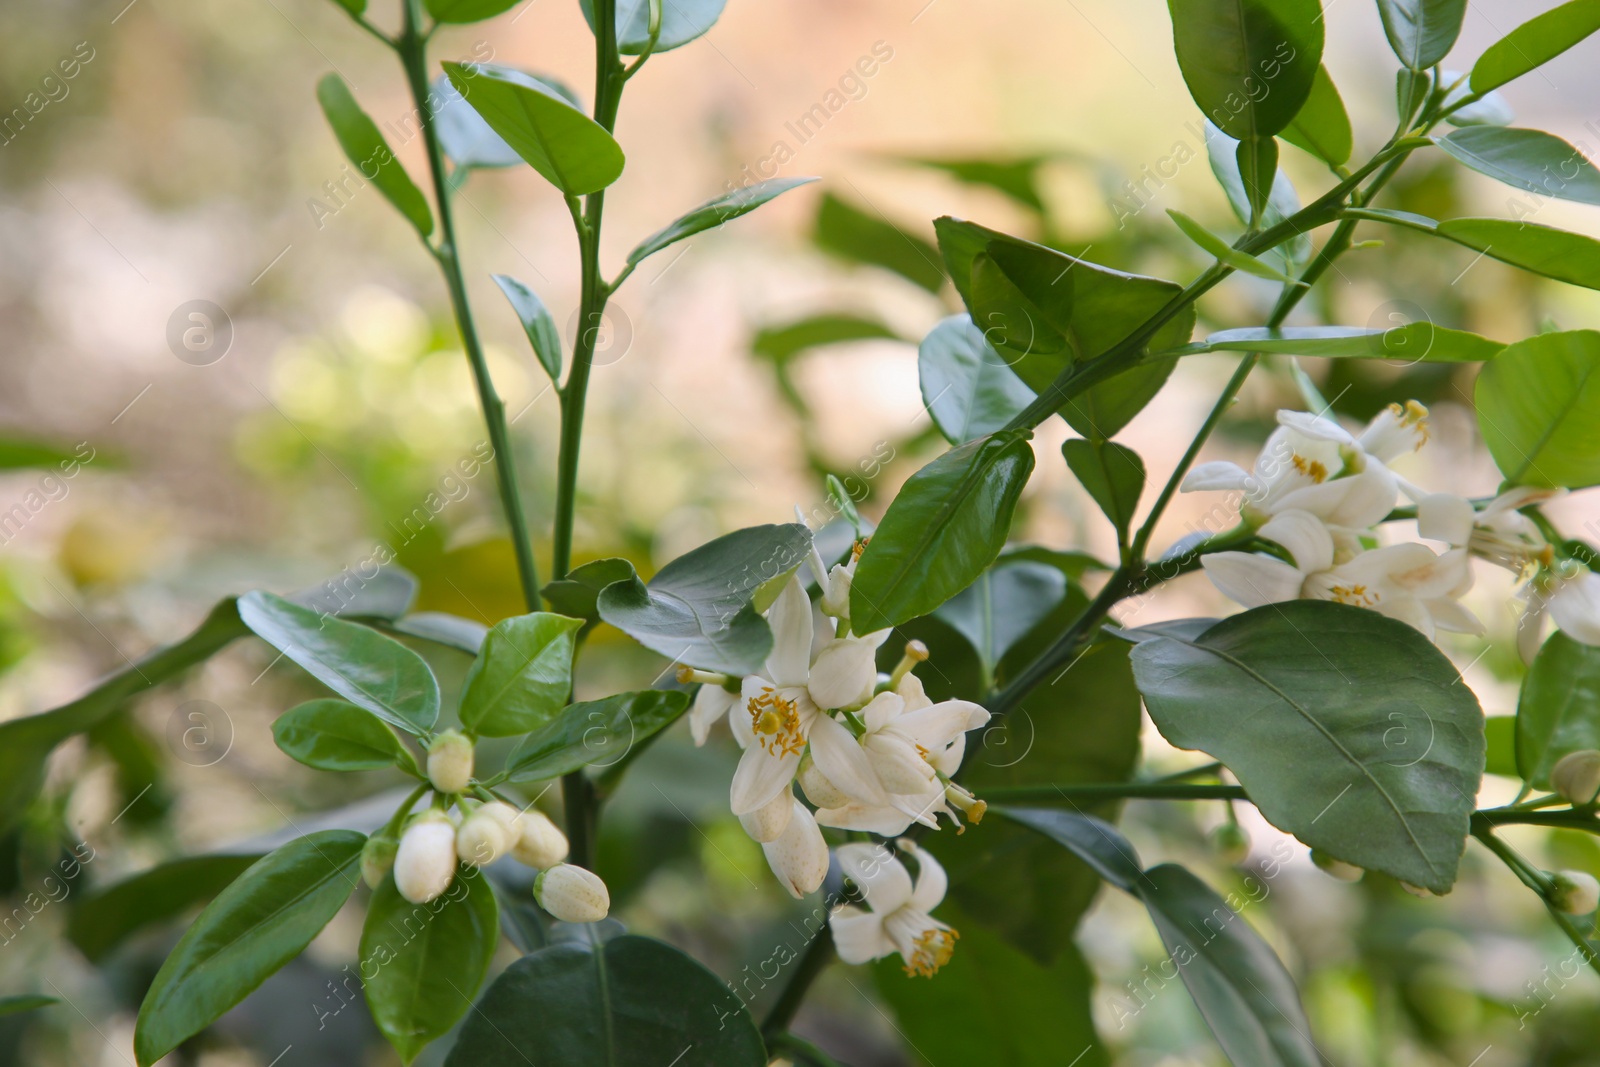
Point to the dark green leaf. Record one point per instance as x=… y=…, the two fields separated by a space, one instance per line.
x=536 y=323
x=1093 y=840
x=359 y=137
x=427 y=961
x=967 y=386
x=1532 y=160
x=1112 y=474
x=1421 y=32
x=1323 y=127
x=101 y=922
x=1535 y=43
x=1226 y=253
x=1348 y=729
x=467 y=10
x=522 y=676
x=594 y=732
x=1258 y=167
x=1559 y=710
x=697 y=609
x=1500 y=736
x=264 y=919
x=15 y=1005
x=714 y=213
x=1221 y=151
x=1009 y=320
x=946 y=526
x=854 y=234
x=464 y=135
x=648 y=1000
x=355 y=661
x=998 y=609
x=681 y=22
x=1249 y=64
x=576 y=595
x=1539 y=410
x=441 y=628
x=333 y=735
x=572 y=151
x=1413 y=341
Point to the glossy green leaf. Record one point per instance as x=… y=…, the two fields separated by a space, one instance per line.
x=1535 y=43
x=537 y=323
x=869 y=238
x=1322 y=126
x=946 y=526
x=102 y=921
x=1531 y=160
x=1257 y=158
x=465 y=137
x=698 y=608
x=1413 y=341
x=1421 y=32
x=572 y=151
x=598 y=732
x=1249 y=64
x=334 y=735
x=1559 y=709
x=1500 y=736
x=355 y=661
x=366 y=148
x=21 y=1002
x=1567 y=257
x=522 y=676
x=1226 y=253
x=967 y=386
x=1539 y=410
x=1348 y=729
x=576 y=596
x=459 y=11
x=998 y=609
x=627 y=1002
x=1112 y=474
x=1010 y=321
x=426 y=962
x=1284 y=201
x=264 y=919
x=714 y=213
x=682 y=21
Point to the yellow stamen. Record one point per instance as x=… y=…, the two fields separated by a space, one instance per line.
x=1414 y=415
x=776 y=722
x=1354 y=594
x=933 y=950
x=1311 y=468
x=858 y=548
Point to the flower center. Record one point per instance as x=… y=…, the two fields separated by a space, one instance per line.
x=1311 y=468
x=776 y=722
x=1414 y=417
x=1358 y=595
x=933 y=949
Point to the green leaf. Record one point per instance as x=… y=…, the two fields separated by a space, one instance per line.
x=627 y=1002
x=442 y=628
x=522 y=676
x=1567 y=257
x=19 y=454
x=1323 y=127
x=355 y=661
x=427 y=961
x=852 y=234
x=536 y=323
x=1421 y=32
x=572 y=151
x=1413 y=341
x=714 y=213
x=1491 y=109
x=1258 y=167
x=1227 y=254
x=1348 y=729
x=946 y=526
x=1535 y=43
x=1112 y=474
x=1559 y=709
x=576 y=596
x=467 y=10
x=387 y=595
x=1221 y=151
x=682 y=21
x=264 y=919
x=1095 y=841
x=463 y=134
x=1532 y=160
x=1240 y=986
x=992 y=1004
x=998 y=610
x=359 y=137
x=1016 y=178
x=21 y=1002
x=967 y=386
x=1500 y=737
x=101 y=922
x=1249 y=64
x=782 y=343
x=1009 y=319
x=1539 y=410
x=594 y=732
x=698 y=610
x=333 y=735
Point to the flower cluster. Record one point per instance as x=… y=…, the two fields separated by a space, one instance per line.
x=1319 y=492
x=871 y=753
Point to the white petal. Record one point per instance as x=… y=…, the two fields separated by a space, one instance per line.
x=1520 y=497
x=1251 y=579
x=1358 y=501
x=710 y=704
x=1304 y=535
x=878 y=872
x=800 y=856
x=842 y=760
x=1395 y=430
x=1408 y=610
x=1445 y=517
x=910 y=688
x=885 y=820
x=1449 y=615
x=844 y=672
x=1575 y=605
x=1530 y=628
x=790 y=619
x=931 y=881
x=883 y=709
x=1218 y=474
x=1315 y=427
x=768 y=822
x=948 y=762
x=859 y=936
x=760 y=777
x=936 y=726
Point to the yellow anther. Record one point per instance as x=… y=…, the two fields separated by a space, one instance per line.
x=933 y=950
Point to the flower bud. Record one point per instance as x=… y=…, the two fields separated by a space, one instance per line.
x=572 y=894
x=1231 y=842
x=377 y=859
x=539 y=842
x=767 y=822
x=1345 y=872
x=1576 y=776
x=1574 y=892
x=450 y=762
x=817 y=788
x=425 y=862
x=799 y=855
x=486 y=834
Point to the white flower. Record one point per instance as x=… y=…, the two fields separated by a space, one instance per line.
x=1569 y=594
x=1406 y=582
x=572 y=894
x=425 y=862
x=486 y=834
x=539 y=842
x=711 y=703
x=1499 y=533
x=783 y=702
x=899 y=919
x=796 y=852
x=1574 y=892
x=450 y=762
